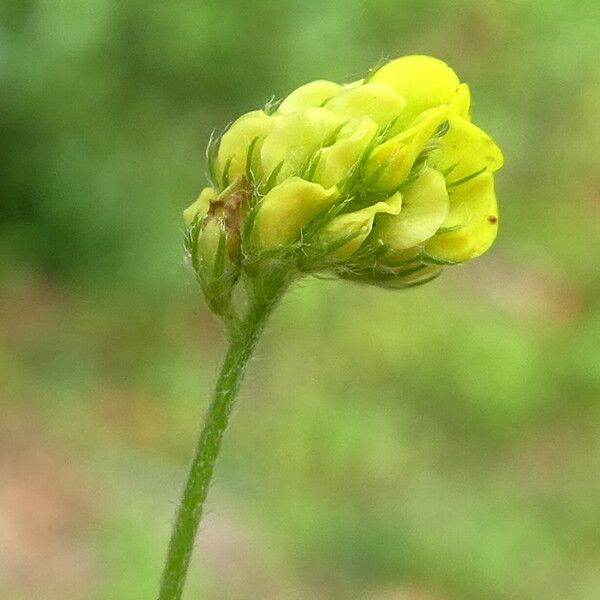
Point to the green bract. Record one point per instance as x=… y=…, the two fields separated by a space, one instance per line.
x=384 y=181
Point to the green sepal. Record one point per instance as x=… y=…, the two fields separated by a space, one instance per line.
x=212 y=151
x=248 y=169
x=225 y=176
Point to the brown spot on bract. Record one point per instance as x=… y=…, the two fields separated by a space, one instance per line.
x=493 y=219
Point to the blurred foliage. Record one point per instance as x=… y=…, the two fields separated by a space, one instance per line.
x=442 y=443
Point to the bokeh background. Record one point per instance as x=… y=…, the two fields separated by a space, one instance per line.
x=436 y=444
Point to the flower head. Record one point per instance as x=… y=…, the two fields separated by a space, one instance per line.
x=384 y=181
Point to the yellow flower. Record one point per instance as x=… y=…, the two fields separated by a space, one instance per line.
x=423 y=81
x=294 y=138
x=356 y=226
x=384 y=180
x=393 y=160
x=249 y=130
x=425 y=207
x=289 y=207
x=335 y=161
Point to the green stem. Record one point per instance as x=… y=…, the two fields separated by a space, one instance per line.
x=189 y=514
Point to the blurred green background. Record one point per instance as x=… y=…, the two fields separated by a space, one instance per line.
x=436 y=444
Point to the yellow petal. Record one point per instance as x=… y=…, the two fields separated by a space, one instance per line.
x=479 y=231
x=487 y=231
x=288 y=207
x=424 y=209
x=359 y=224
x=234 y=145
x=469 y=201
x=200 y=207
x=395 y=157
x=295 y=138
x=311 y=94
x=423 y=81
x=336 y=161
x=375 y=100
x=465 y=149
x=460 y=103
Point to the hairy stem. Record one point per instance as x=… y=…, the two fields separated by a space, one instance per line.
x=240 y=350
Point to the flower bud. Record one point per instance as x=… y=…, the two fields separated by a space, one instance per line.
x=213 y=241
x=384 y=181
x=346 y=233
x=289 y=207
x=425 y=207
x=248 y=132
x=315 y=93
x=391 y=162
x=294 y=140
x=333 y=163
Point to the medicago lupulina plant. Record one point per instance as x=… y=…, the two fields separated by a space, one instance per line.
x=383 y=181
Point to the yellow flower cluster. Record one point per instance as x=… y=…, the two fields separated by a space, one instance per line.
x=383 y=180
